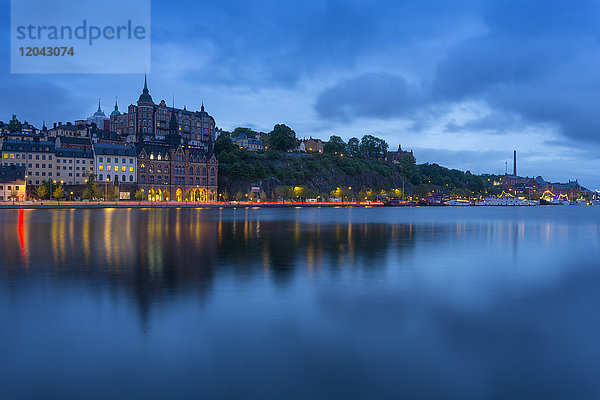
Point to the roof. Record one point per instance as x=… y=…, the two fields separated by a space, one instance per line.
x=69 y=127
x=12 y=173
x=74 y=140
x=114 y=150
x=77 y=153
x=27 y=145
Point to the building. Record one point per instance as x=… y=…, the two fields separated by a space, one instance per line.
x=169 y=169
x=99 y=119
x=197 y=128
x=73 y=166
x=245 y=142
x=13 y=185
x=116 y=163
x=36 y=155
x=313 y=145
x=69 y=129
x=397 y=156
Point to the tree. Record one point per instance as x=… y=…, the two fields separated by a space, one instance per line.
x=353 y=147
x=59 y=192
x=14 y=125
x=139 y=195
x=282 y=138
x=14 y=195
x=224 y=144
x=373 y=147
x=41 y=191
x=244 y=131
x=335 y=145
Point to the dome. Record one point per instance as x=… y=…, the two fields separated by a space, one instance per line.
x=145 y=96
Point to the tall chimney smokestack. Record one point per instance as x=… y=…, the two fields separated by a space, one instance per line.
x=515 y=164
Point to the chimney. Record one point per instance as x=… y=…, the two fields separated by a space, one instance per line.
x=515 y=164
x=55 y=124
x=59 y=123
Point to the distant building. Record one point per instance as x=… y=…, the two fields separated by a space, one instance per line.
x=397 y=156
x=310 y=145
x=73 y=165
x=99 y=119
x=13 y=186
x=69 y=130
x=244 y=142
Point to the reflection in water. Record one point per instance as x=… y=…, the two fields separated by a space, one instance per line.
x=344 y=298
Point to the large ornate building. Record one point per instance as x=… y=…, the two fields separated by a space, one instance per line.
x=197 y=128
x=172 y=168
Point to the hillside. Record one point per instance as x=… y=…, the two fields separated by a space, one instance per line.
x=313 y=175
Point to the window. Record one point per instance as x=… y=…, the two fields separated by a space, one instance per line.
x=108 y=177
x=122 y=161
x=108 y=168
x=107 y=159
x=143 y=179
x=100 y=159
x=142 y=168
x=130 y=178
x=151 y=179
x=100 y=177
x=122 y=169
x=123 y=178
x=101 y=168
x=130 y=169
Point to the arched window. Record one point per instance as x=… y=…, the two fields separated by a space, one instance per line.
x=108 y=177
x=191 y=171
x=152 y=156
x=100 y=177
x=151 y=169
x=130 y=178
x=166 y=156
x=143 y=179
x=159 y=157
x=197 y=171
x=166 y=169
x=123 y=178
x=142 y=168
x=212 y=171
x=204 y=171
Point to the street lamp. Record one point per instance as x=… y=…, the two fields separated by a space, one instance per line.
x=71 y=196
x=105 y=188
x=51 y=189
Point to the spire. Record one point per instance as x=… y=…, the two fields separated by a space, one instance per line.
x=116 y=104
x=145 y=96
x=44 y=126
x=116 y=110
x=99 y=109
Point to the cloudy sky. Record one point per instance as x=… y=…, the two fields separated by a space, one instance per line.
x=462 y=83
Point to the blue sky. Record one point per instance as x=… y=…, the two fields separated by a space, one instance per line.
x=461 y=83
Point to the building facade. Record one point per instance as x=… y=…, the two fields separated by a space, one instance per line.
x=197 y=128
x=116 y=163
x=37 y=156
x=171 y=170
x=13 y=186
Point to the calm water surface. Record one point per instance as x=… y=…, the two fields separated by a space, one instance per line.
x=343 y=303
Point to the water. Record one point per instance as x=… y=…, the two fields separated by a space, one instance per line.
x=300 y=303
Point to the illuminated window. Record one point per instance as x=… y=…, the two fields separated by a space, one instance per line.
x=5 y=155
x=108 y=168
x=116 y=168
x=12 y=156
x=152 y=156
x=101 y=168
x=123 y=169
x=130 y=169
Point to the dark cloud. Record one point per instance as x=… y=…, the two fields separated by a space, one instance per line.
x=538 y=61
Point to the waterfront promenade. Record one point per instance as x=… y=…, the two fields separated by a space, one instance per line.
x=175 y=204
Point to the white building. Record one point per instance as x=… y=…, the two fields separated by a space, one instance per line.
x=115 y=163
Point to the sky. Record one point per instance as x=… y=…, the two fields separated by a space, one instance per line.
x=461 y=83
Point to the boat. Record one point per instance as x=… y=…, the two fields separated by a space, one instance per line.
x=505 y=201
x=459 y=202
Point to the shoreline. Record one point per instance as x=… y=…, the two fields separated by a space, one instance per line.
x=44 y=205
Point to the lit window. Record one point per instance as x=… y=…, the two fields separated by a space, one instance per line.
x=130 y=169
x=123 y=169
x=101 y=168
x=108 y=168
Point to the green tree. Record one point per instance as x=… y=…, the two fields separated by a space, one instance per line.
x=353 y=147
x=335 y=145
x=41 y=191
x=14 y=195
x=14 y=125
x=244 y=131
x=139 y=195
x=373 y=147
x=224 y=144
x=59 y=193
x=282 y=138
